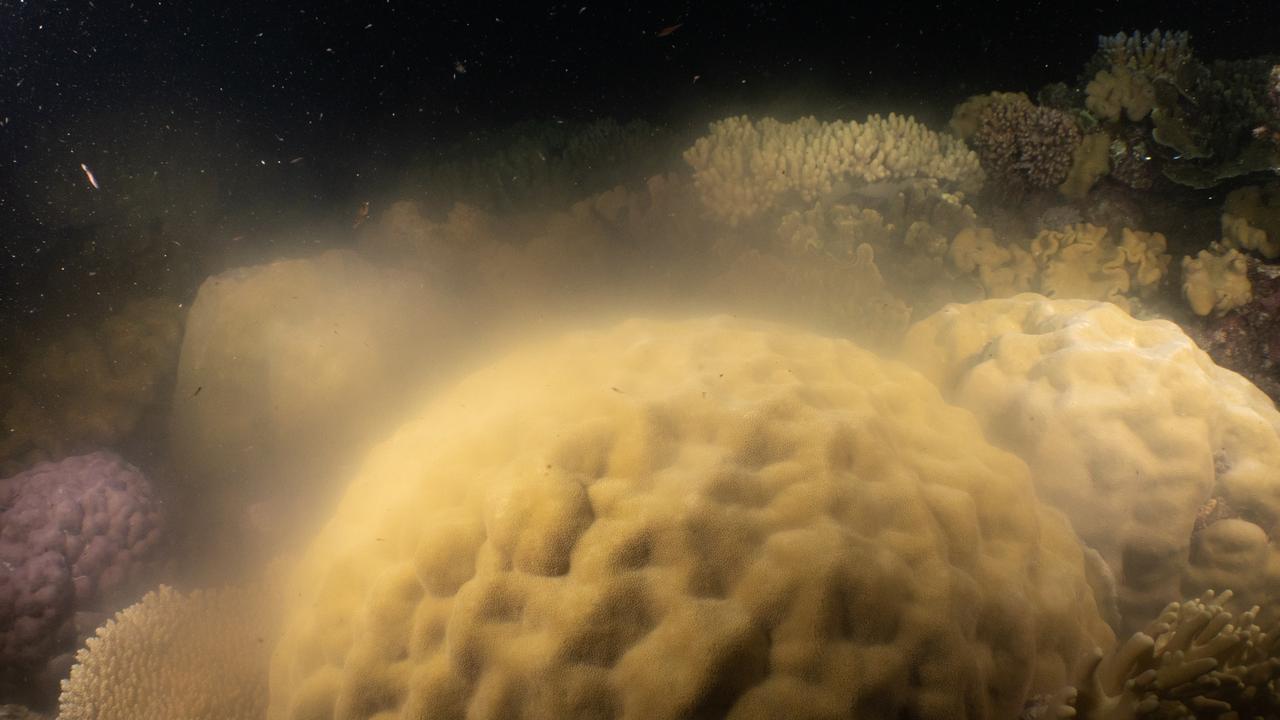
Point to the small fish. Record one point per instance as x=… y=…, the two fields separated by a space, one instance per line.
x=89 y=174
x=295 y=161
x=459 y=68
x=669 y=29
x=197 y=392
x=361 y=215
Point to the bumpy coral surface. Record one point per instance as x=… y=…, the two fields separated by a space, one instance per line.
x=1022 y=145
x=744 y=167
x=72 y=534
x=1130 y=429
x=88 y=386
x=707 y=518
x=201 y=656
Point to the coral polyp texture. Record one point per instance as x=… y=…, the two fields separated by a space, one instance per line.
x=1131 y=430
x=73 y=535
x=1022 y=145
x=674 y=519
x=744 y=167
x=196 y=656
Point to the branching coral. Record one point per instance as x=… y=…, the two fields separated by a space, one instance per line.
x=74 y=537
x=1022 y=145
x=745 y=167
x=705 y=518
x=1130 y=429
x=199 y=656
x=1196 y=661
x=1157 y=54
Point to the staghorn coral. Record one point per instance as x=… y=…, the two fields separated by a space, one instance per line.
x=88 y=385
x=198 y=656
x=1197 y=660
x=1215 y=281
x=744 y=167
x=1022 y=145
x=1157 y=54
x=705 y=518
x=75 y=537
x=1129 y=428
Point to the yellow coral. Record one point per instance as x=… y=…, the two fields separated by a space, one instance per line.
x=1090 y=161
x=1082 y=261
x=744 y=167
x=685 y=519
x=1215 y=281
x=1251 y=220
x=201 y=656
x=1129 y=428
x=1120 y=90
x=1002 y=270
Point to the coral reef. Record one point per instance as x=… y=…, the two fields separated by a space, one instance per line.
x=1129 y=429
x=1215 y=281
x=1120 y=92
x=1156 y=54
x=680 y=519
x=745 y=167
x=76 y=536
x=196 y=656
x=1251 y=220
x=286 y=367
x=89 y=384
x=1080 y=261
x=1022 y=145
x=1197 y=659
x=1247 y=338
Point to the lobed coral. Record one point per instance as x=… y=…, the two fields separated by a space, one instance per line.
x=1251 y=220
x=1120 y=91
x=75 y=536
x=1130 y=429
x=1215 y=281
x=1246 y=339
x=1022 y=145
x=745 y=167
x=1079 y=261
x=686 y=519
x=199 y=656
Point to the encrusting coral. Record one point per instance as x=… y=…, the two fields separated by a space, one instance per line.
x=744 y=167
x=1130 y=429
x=686 y=519
x=196 y=656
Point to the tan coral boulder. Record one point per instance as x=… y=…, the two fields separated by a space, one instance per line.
x=704 y=518
x=1132 y=431
x=288 y=366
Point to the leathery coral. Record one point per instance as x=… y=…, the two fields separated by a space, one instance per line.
x=1130 y=429
x=702 y=518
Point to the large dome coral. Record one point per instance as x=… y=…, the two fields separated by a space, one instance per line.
x=707 y=518
x=1165 y=462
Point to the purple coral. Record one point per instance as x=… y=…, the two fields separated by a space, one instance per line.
x=73 y=534
x=1022 y=145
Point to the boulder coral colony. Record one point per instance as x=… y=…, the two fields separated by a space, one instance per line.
x=986 y=450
